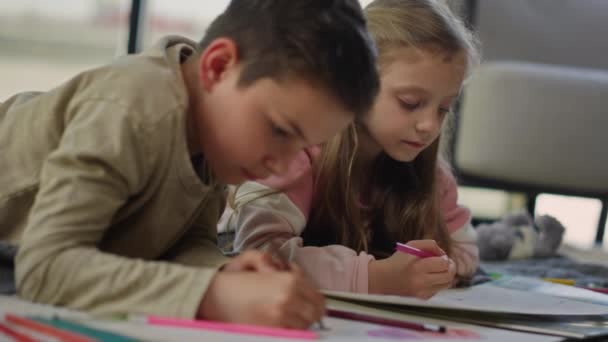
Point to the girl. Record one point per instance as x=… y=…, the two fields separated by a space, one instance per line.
x=346 y=203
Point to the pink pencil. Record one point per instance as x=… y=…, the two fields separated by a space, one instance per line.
x=387 y=321
x=232 y=328
x=413 y=251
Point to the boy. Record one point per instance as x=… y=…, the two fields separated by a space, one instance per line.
x=120 y=171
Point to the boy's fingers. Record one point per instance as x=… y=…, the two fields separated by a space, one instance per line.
x=306 y=313
x=309 y=293
x=296 y=321
x=316 y=301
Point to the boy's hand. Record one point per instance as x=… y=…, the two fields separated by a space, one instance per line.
x=253 y=260
x=406 y=275
x=280 y=299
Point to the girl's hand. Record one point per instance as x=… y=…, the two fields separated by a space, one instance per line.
x=272 y=298
x=406 y=275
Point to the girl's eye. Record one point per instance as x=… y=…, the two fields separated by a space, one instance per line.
x=444 y=111
x=409 y=105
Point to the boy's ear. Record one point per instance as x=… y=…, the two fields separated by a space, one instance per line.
x=220 y=56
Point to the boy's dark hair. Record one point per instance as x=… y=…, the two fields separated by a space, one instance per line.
x=322 y=41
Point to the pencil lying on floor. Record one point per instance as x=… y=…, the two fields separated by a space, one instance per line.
x=397 y=323
x=14 y=334
x=254 y=330
x=59 y=334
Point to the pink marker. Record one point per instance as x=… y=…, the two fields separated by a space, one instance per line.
x=414 y=251
x=232 y=328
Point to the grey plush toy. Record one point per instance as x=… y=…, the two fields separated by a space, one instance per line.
x=518 y=236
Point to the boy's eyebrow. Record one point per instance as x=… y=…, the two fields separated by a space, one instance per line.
x=298 y=131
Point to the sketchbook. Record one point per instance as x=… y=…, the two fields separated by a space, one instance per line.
x=456 y=331
x=537 y=285
x=486 y=298
x=564 y=326
x=502 y=305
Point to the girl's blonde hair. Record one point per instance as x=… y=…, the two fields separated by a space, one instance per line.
x=402 y=202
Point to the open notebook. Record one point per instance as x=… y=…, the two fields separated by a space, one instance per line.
x=530 y=308
x=488 y=298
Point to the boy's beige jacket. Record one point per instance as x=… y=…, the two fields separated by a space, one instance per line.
x=98 y=190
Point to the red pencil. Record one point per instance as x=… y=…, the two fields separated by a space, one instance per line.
x=397 y=323
x=597 y=289
x=17 y=336
x=62 y=335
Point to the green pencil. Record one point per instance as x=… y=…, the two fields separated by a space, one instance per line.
x=97 y=334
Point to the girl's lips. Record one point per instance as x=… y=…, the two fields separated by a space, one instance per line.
x=413 y=143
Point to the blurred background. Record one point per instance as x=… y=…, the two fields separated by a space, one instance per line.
x=43 y=43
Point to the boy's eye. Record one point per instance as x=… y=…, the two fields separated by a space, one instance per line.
x=279 y=132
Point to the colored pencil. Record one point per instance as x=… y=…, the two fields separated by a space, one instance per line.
x=15 y=335
x=82 y=329
x=45 y=329
x=413 y=251
x=386 y=321
x=561 y=281
x=597 y=289
x=231 y=328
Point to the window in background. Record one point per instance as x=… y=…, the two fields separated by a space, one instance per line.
x=579 y=215
x=489 y=204
x=45 y=43
x=188 y=18
x=605 y=244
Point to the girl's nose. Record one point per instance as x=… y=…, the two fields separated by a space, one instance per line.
x=428 y=122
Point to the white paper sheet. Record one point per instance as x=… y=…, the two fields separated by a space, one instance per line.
x=487 y=298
